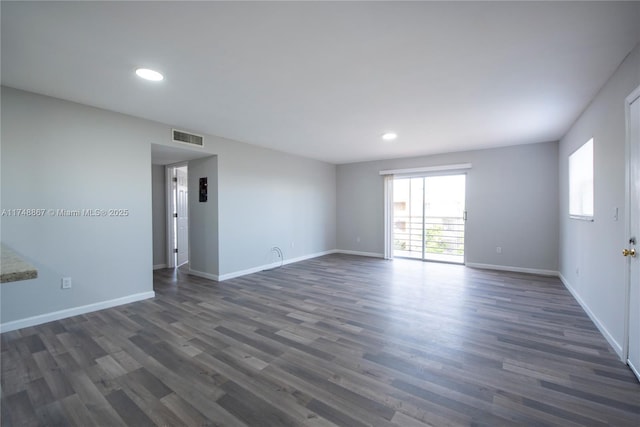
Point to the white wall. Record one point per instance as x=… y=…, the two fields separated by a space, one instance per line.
x=512 y=202
x=159 y=213
x=203 y=218
x=269 y=199
x=58 y=154
x=591 y=263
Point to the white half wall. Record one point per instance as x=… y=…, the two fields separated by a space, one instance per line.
x=512 y=202
x=591 y=263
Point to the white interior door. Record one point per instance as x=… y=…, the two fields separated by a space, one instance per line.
x=633 y=354
x=182 y=228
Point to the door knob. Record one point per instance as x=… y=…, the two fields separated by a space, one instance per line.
x=629 y=252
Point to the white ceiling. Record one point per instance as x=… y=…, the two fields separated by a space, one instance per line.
x=325 y=80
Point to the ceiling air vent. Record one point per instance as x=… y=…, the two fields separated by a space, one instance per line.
x=187 y=138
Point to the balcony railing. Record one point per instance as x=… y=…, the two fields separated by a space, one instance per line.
x=431 y=238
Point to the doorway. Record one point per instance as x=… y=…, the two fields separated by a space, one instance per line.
x=429 y=218
x=178 y=215
x=632 y=342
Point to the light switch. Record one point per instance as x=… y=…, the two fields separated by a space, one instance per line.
x=615 y=214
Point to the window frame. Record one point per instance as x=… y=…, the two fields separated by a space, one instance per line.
x=575 y=157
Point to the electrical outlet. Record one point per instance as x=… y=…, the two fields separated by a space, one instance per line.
x=498 y=249
x=66 y=283
x=358 y=239
x=292 y=245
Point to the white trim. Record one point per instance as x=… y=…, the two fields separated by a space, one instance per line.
x=169 y=215
x=388 y=216
x=635 y=371
x=75 y=311
x=514 y=269
x=603 y=330
x=240 y=273
x=358 y=253
x=159 y=266
x=627 y=224
x=204 y=275
x=248 y=271
x=633 y=96
x=588 y=218
x=460 y=166
x=259 y=268
x=171 y=258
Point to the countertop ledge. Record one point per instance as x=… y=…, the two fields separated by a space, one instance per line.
x=13 y=268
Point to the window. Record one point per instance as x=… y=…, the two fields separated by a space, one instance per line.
x=432 y=226
x=581 y=182
x=399 y=206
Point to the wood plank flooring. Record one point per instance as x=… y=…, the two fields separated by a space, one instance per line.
x=334 y=341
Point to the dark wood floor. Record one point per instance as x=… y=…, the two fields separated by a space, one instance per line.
x=338 y=340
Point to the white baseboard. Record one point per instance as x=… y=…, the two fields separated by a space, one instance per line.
x=204 y=275
x=635 y=371
x=257 y=269
x=75 y=311
x=159 y=266
x=245 y=272
x=514 y=269
x=304 y=257
x=358 y=253
x=263 y=267
x=603 y=330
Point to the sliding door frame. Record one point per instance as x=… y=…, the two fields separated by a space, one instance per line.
x=422 y=172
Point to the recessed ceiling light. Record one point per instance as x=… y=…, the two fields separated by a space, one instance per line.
x=148 y=74
x=389 y=136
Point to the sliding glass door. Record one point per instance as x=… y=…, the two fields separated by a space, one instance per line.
x=428 y=218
